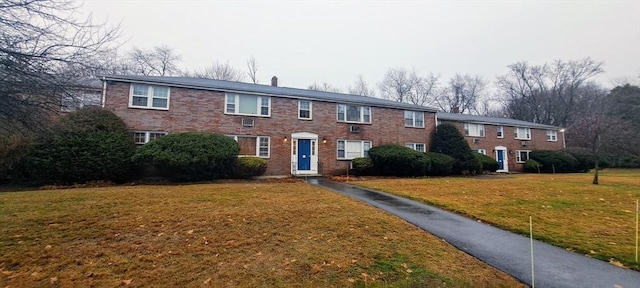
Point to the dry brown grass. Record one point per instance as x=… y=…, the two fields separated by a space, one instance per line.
x=567 y=210
x=231 y=234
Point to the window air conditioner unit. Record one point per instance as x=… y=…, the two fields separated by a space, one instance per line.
x=476 y=141
x=354 y=129
x=525 y=143
x=247 y=122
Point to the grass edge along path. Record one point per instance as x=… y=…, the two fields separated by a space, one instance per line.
x=567 y=210
x=221 y=235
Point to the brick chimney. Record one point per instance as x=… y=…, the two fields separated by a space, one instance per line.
x=455 y=110
x=274 y=81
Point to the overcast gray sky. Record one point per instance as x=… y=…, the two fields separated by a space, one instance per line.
x=303 y=42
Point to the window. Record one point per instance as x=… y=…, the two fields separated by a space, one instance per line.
x=482 y=151
x=552 y=135
x=476 y=130
x=354 y=113
x=143 y=137
x=259 y=146
x=248 y=105
x=414 y=119
x=348 y=149
x=500 y=132
x=150 y=97
x=304 y=109
x=522 y=155
x=523 y=133
x=420 y=147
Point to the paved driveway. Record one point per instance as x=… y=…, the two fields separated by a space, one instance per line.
x=509 y=252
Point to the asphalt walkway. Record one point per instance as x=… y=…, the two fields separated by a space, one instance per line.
x=506 y=251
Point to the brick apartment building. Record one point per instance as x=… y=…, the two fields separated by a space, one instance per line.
x=299 y=132
x=509 y=141
x=304 y=132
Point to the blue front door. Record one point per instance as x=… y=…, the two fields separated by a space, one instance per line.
x=500 y=159
x=304 y=154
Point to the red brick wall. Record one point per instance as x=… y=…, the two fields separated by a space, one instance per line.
x=200 y=110
x=490 y=141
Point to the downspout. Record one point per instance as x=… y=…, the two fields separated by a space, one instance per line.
x=564 y=143
x=104 y=92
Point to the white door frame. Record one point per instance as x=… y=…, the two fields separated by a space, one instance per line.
x=294 y=152
x=505 y=158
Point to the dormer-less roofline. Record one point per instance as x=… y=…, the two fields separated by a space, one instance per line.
x=266 y=90
x=477 y=119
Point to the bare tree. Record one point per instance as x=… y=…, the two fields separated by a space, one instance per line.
x=546 y=93
x=157 y=61
x=362 y=88
x=462 y=93
x=598 y=128
x=220 y=71
x=326 y=87
x=45 y=54
x=407 y=86
x=252 y=65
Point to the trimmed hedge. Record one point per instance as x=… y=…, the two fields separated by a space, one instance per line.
x=13 y=152
x=532 y=166
x=86 y=145
x=441 y=164
x=448 y=140
x=190 y=156
x=584 y=156
x=555 y=161
x=629 y=162
x=362 y=166
x=396 y=160
x=247 y=167
x=488 y=163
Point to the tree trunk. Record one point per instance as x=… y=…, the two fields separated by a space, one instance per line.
x=595 y=173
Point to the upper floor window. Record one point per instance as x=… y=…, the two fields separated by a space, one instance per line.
x=476 y=130
x=500 y=132
x=143 y=137
x=523 y=133
x=248 y=105
x=259 y=146
x=304 y=109
x=522 y=155
x=349 y=149
x=354 y=113
x=552 y=135
x=148 y=96
x=414 y=119
x=420 y=147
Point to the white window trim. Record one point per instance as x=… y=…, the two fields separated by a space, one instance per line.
x=149 y=97
x=257 y=138
x=414 y=145
x=481 y=132
x=147 y=135
x=362 y=108
x=482 y=151
x=527 y=135
x=236 y=104
x=501 y=129
x=518 y=159
x=552 y=136
x=310 y=110
x=413 y=118
x=362 y=154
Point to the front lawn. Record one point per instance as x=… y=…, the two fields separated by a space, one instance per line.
x=567 y=210
x=220 y=235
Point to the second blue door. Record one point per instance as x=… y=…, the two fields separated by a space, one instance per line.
x=304 y=154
